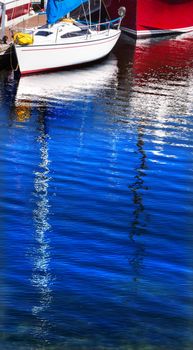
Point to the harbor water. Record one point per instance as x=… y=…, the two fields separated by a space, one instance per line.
x=96 y=203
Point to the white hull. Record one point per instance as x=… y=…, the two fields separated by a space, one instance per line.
x=37 y=58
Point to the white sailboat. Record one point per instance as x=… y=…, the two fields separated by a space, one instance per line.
x=63 y=43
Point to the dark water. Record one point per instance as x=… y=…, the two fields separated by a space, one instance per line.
x=96 y=203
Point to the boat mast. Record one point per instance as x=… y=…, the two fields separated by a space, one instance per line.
x=45 y=4
x=89 y=12
x=100 y=5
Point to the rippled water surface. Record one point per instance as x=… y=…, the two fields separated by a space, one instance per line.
x=96 y=203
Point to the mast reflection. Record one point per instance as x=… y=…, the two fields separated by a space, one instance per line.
x=138 y=224
x=41 y=275
x=41 y=278
x=137 y=186
x=138 y=219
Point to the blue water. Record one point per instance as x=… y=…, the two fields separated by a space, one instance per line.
x=96 y=202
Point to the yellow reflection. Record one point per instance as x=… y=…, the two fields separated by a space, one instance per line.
x=23 y=113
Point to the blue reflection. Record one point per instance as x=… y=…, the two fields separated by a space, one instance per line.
x=96 y=204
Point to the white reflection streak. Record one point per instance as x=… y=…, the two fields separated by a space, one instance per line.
x=41 y=277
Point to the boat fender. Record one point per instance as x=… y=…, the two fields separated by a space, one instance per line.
x=23 y=38
x=122 y=11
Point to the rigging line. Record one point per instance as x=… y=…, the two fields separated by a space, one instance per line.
x=89 y=13
x=100 y=5
x=84 y=12
x=107 y=12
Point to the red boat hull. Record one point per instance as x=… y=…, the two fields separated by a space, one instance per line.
x=145 y=18
x=18 y=11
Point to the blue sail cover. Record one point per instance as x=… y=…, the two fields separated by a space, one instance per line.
x=57 y=9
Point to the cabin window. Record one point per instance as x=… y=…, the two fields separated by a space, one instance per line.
x=73 y=34
x=43 y=33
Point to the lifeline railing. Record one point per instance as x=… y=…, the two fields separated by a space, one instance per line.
x=104 y=25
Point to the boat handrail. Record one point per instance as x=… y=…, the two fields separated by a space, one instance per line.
x=96 y=26
x=102 y=25
x=118 y=19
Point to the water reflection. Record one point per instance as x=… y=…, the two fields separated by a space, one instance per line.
x=158 y=75
x=156 y=78
x=138 y=186
x=41 y=274
x=22 y=113
x=119 y=133
x=74 y=84
x=139 y=224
